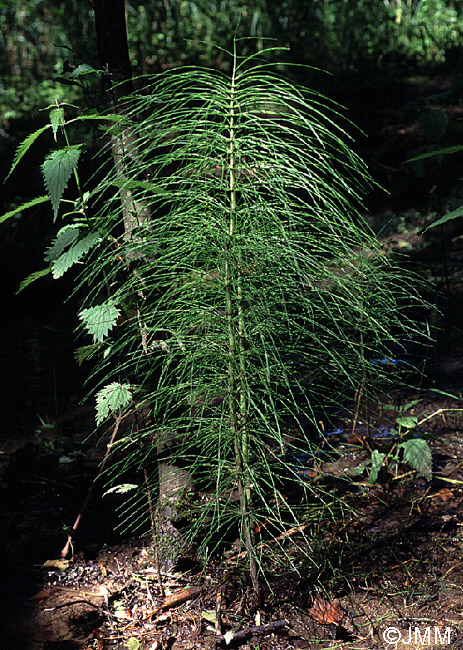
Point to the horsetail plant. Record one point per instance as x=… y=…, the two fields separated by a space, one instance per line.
x=241 y=309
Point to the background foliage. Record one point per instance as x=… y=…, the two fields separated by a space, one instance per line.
x=43 y=43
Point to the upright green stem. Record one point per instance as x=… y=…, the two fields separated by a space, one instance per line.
x=236 y=361
x=77 y=179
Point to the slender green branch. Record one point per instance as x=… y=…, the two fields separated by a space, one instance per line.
x=237 y=358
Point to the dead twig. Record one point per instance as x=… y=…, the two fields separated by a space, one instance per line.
x=178 y=598
x=438 y=412
x=452 y=568
x=72 y=602
x=218 y=616
x=91 y=489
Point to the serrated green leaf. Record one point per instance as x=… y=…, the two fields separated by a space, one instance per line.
x=64 y=238
x=32 y=278
x=407 y=421
x=83 y=69
x=411 y=404
x=56 y=119
x=111 y=399
x=417 y=454
x=24 y=206
x=110 y=117
x=377 y=459
x=25 y=146
x=74 y=254
x=100 y=320
x=121 y=489
x=57 y=170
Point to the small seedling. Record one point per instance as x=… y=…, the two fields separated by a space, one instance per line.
x=408 y=446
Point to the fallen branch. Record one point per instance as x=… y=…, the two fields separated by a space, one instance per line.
x=438 y=412
x=70 y=603
x=178 y=598
x=255 y=629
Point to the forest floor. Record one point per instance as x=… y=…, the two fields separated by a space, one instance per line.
x=389 y=574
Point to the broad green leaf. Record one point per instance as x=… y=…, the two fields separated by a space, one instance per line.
x=417 y=454
x=25 y=146
x=455 y=214
x=83 y=69
x=407 y=421
x=56 y=170
x=439 y=152
x=377 y=459
x=100 y=320
x=64 y=238
x=357 y=471
x=56 y=119
x=132 y=644
x=24 y=206
x=32 y=278
x=111 y=399
x=410 y=404
x=74 y=254
x=209 y=615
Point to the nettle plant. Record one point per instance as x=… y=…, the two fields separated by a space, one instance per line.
x=234 y=294
x=405 y=444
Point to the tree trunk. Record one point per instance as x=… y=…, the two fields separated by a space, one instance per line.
x=114 y=57
x=113 y=50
